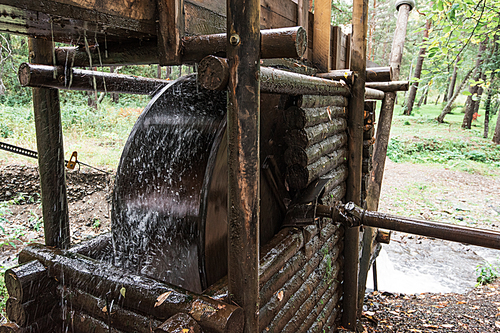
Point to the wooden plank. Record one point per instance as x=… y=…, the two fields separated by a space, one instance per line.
x=322 y=33
x=170 y=30
x=202 y=21
x=336 y=49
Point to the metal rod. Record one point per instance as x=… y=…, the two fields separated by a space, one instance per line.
x=59 y=77
x=374 y=271
x=243 y=132
x=355 y=145
x=275 y=43
x=49 y=141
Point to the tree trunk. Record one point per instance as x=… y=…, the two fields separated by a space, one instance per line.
x=496 y=136
x=487 y=108
x=453 y=81
x=447 y=108
x=469 y=105
x=437 y=99
x=418 y=72
x=423 y=97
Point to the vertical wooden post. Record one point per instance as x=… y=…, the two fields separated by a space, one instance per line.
x=303 y=14
x=321 y=35
x=170 y=30
x=382 y=140
x=355 y=158
x=49 y=141
x=243 y=121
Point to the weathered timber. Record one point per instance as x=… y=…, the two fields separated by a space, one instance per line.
x=141 y=292
x=99 y=247
x=278 y=251
x=213 y=73
x=25 y=282
x=42 y=325
x=179 y=323
x=112 y=314
x=51 y=163
x=300 y=265
x=322 y=35
x=383 y=236
x=59 y=77
x=309 y=136
x=170 y=30
x=337 y=176
x=299 y=177
x=80 y=322
x=313 y=303
x=373 y=74
x=374 y=94
x=243 y=132
x=294 y=301
x=303 y=157
x=337 y=193
x=296 y=117
x=25 y=314
x=323 y=308
x=282 y=82
x=389 y=86
x=354 y=157
x=327 y=322
x=275 y=43
x=315 y=101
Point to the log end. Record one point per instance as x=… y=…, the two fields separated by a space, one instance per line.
x=301 y=42
x=178 y=324
x=15 y=311
x=213 y=73
x=10 y=328
x=24 y=74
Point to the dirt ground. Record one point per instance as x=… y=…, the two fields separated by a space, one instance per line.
x=469 y=200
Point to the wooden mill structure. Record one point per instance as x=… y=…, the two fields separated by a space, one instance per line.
x=281 y=115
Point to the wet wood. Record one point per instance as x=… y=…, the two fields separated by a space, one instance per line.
x=80 y=322
x=243 y=127
x=25 y=282
x=26 y=314
x=42 y=325
x=337 y=177
x=309 y=136
x=213 y=73
x=300 y=265
x=296 y=117
x=315 y=101
x=373 y=74
x=294 y=301
x=299 y=177
x=355 y=148
x=100 y=309
x=383 y=236
x=58 y=77
x=170 y=31
x=303 y=157
x=282 y=82
x=278 y=251
x=389 y=86
x=51 y=163
x=321 y=36
x=179 y=323
x=142 y=293
x=99 y=247
x=327 y=319
x=374 y=94
x=275 y=43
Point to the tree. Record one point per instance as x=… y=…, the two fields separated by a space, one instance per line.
x=447 y=108
x=496 y=136
x=418 y=71
x=473 y=89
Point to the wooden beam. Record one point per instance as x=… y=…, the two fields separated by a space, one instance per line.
x=243 y=132
x=170 y=30
x=49 y=140
x=321 y=35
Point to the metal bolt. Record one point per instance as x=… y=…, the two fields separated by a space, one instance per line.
x=234 y=39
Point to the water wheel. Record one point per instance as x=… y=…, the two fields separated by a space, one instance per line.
x=169 y=217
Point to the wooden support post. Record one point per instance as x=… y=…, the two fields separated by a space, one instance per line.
x=322 y=35
x=170 y=30
x=243 y=122
x=49 y=140
x=355 y=157
x=303 y=17
x=381 y=142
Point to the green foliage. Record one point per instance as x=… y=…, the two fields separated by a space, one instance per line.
x=3 y=292
x=486 y=273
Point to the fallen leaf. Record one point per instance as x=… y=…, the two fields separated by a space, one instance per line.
x=105 y=309
x=185 y=330
x=497 y=324
x=430 y=326
x=162 y=298
x=280 y=295
x=461 y=302
x=447 y=325
x=369 y=313
x=122 y=291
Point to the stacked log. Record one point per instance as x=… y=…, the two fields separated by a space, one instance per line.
x=88 y=295
x=368 y=142
x=316 y=138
